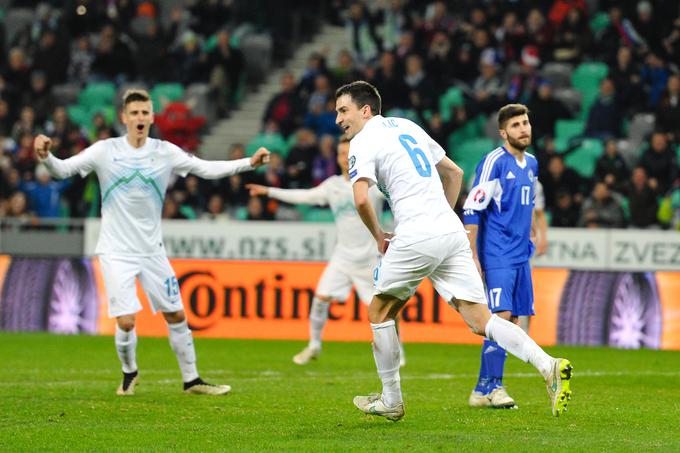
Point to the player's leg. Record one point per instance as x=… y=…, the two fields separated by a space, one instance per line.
x=119 y=279
x=363 y=283
x=161 y=287
x=334 y=284
x=489 y=391
x=396 y=278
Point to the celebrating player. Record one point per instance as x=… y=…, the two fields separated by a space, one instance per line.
x=354 y=257
x=422 y=186
x=133 y=172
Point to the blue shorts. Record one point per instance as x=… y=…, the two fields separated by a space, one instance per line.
x=510 y=289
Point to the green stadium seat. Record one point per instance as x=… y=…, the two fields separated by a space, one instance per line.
x=319 y=215
x=79 y=115
x=272 y=141
x=583 y=159
x=568 y=129
x=599 y=22
x=241 y=213
x=95 y=95
x=588 y=74
x=451 y=99
x=163 y=93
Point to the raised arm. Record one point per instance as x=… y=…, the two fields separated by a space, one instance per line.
x=81 y=163
x=215 y=169
x=452 y=179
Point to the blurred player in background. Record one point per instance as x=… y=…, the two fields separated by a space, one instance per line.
x=498 y=213
x=422 y=186
x=133 y=172
x=354 y=257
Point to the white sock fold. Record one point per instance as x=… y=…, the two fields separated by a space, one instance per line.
x=318 y=315
x=126 y=346
x=514 y=340
x=386 y=355
x=182 y=343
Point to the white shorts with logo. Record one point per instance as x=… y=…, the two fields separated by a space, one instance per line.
x=446 y=260
x=155 y=275
x=338 y=277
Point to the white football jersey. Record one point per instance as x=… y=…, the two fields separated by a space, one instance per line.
x=133 y=183
x=354 y=242
x=400 y=157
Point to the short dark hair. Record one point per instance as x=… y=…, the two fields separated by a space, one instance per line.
x=510 y=111
x=362 y=93
x=135 y=95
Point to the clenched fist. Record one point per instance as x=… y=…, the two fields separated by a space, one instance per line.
x=260 y=157
x=42 y=145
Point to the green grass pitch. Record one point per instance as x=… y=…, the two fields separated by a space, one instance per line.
x=57 y=393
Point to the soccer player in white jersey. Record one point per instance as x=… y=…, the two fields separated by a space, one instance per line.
x=133 y=172
x=422 y=186
x=354 y=257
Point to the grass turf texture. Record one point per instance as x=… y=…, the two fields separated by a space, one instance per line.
x=57 y=393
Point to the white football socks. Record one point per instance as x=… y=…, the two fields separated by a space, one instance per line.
x=126 y=346
x=318 y=315
x=514 y=340
x=386 y=355
x=182 y=343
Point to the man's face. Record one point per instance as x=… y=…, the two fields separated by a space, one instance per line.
x=343 y=153
x=517 y=132
x=350 y=118
x=138 y=118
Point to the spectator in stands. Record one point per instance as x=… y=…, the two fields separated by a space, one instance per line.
x=151 y=55
x=17 y=207
x=395 y=22
x=654 y=74
x=189 y=60
x=215 y=209
x=439 y=61
x=391 y=83
x=234 y=192
x=298 y=163
x=44 y=194
x=573 y=37
x=225 y=64
x=560 y=9
x=325 y=163
x=113 y=58
x=361 y=27
x=419 y=87
x=24 y=158
x=668 y=109
x=605 y=117
x=257 y=210
x=671 y=43
x=171 y=209
x=210 y=16
x=616 y=34
x=464 y=66
x=545 y=110
x=81 y=60
x=25 y=124
x=17 y=73
x=275 y=173
x=316 y=65
x=322 y=92
x=559 y=178
x=642 y=200
x=524 y=84
x=601 y=209
x=648 y=27
x=321 y=118
x=5 y=118
x=565 y=213
x=285 y=108
x=345 y=71
x=611 y=168
x=39 y=97
x=538 y=33
x=58 y=125
x=488 y=91
x=511 y=36
x=51 y=57
x=625 y=73
x=195 y=194
x=660 y=162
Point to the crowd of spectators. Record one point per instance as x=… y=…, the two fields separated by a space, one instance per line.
x=413 y=51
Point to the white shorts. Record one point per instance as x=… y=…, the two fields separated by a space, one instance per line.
x=155 y=275
x=338 y=277
x=446 y=260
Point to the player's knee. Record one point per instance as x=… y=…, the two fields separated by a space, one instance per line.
x=126 y=323
x=174 y=317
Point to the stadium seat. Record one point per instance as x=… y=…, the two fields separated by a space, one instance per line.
x=588 y=74
x=163 y=93
x=467 y=154
x=387 y=220
x=559 y=74
x=599 y=22
x=639 y=127
x=79 y=115
x=570 y=97
x=273 y=142
x=96 y=95
x=568 y=129
x=241 y=213
x=451 y=99
x=319 y=215
x=583 y=158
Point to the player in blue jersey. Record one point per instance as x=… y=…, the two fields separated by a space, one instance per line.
x=498 y=214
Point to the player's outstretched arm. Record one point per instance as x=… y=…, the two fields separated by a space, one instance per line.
x=215 y=169
x=452 y=179
x=82 y=162
x=316 y=195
